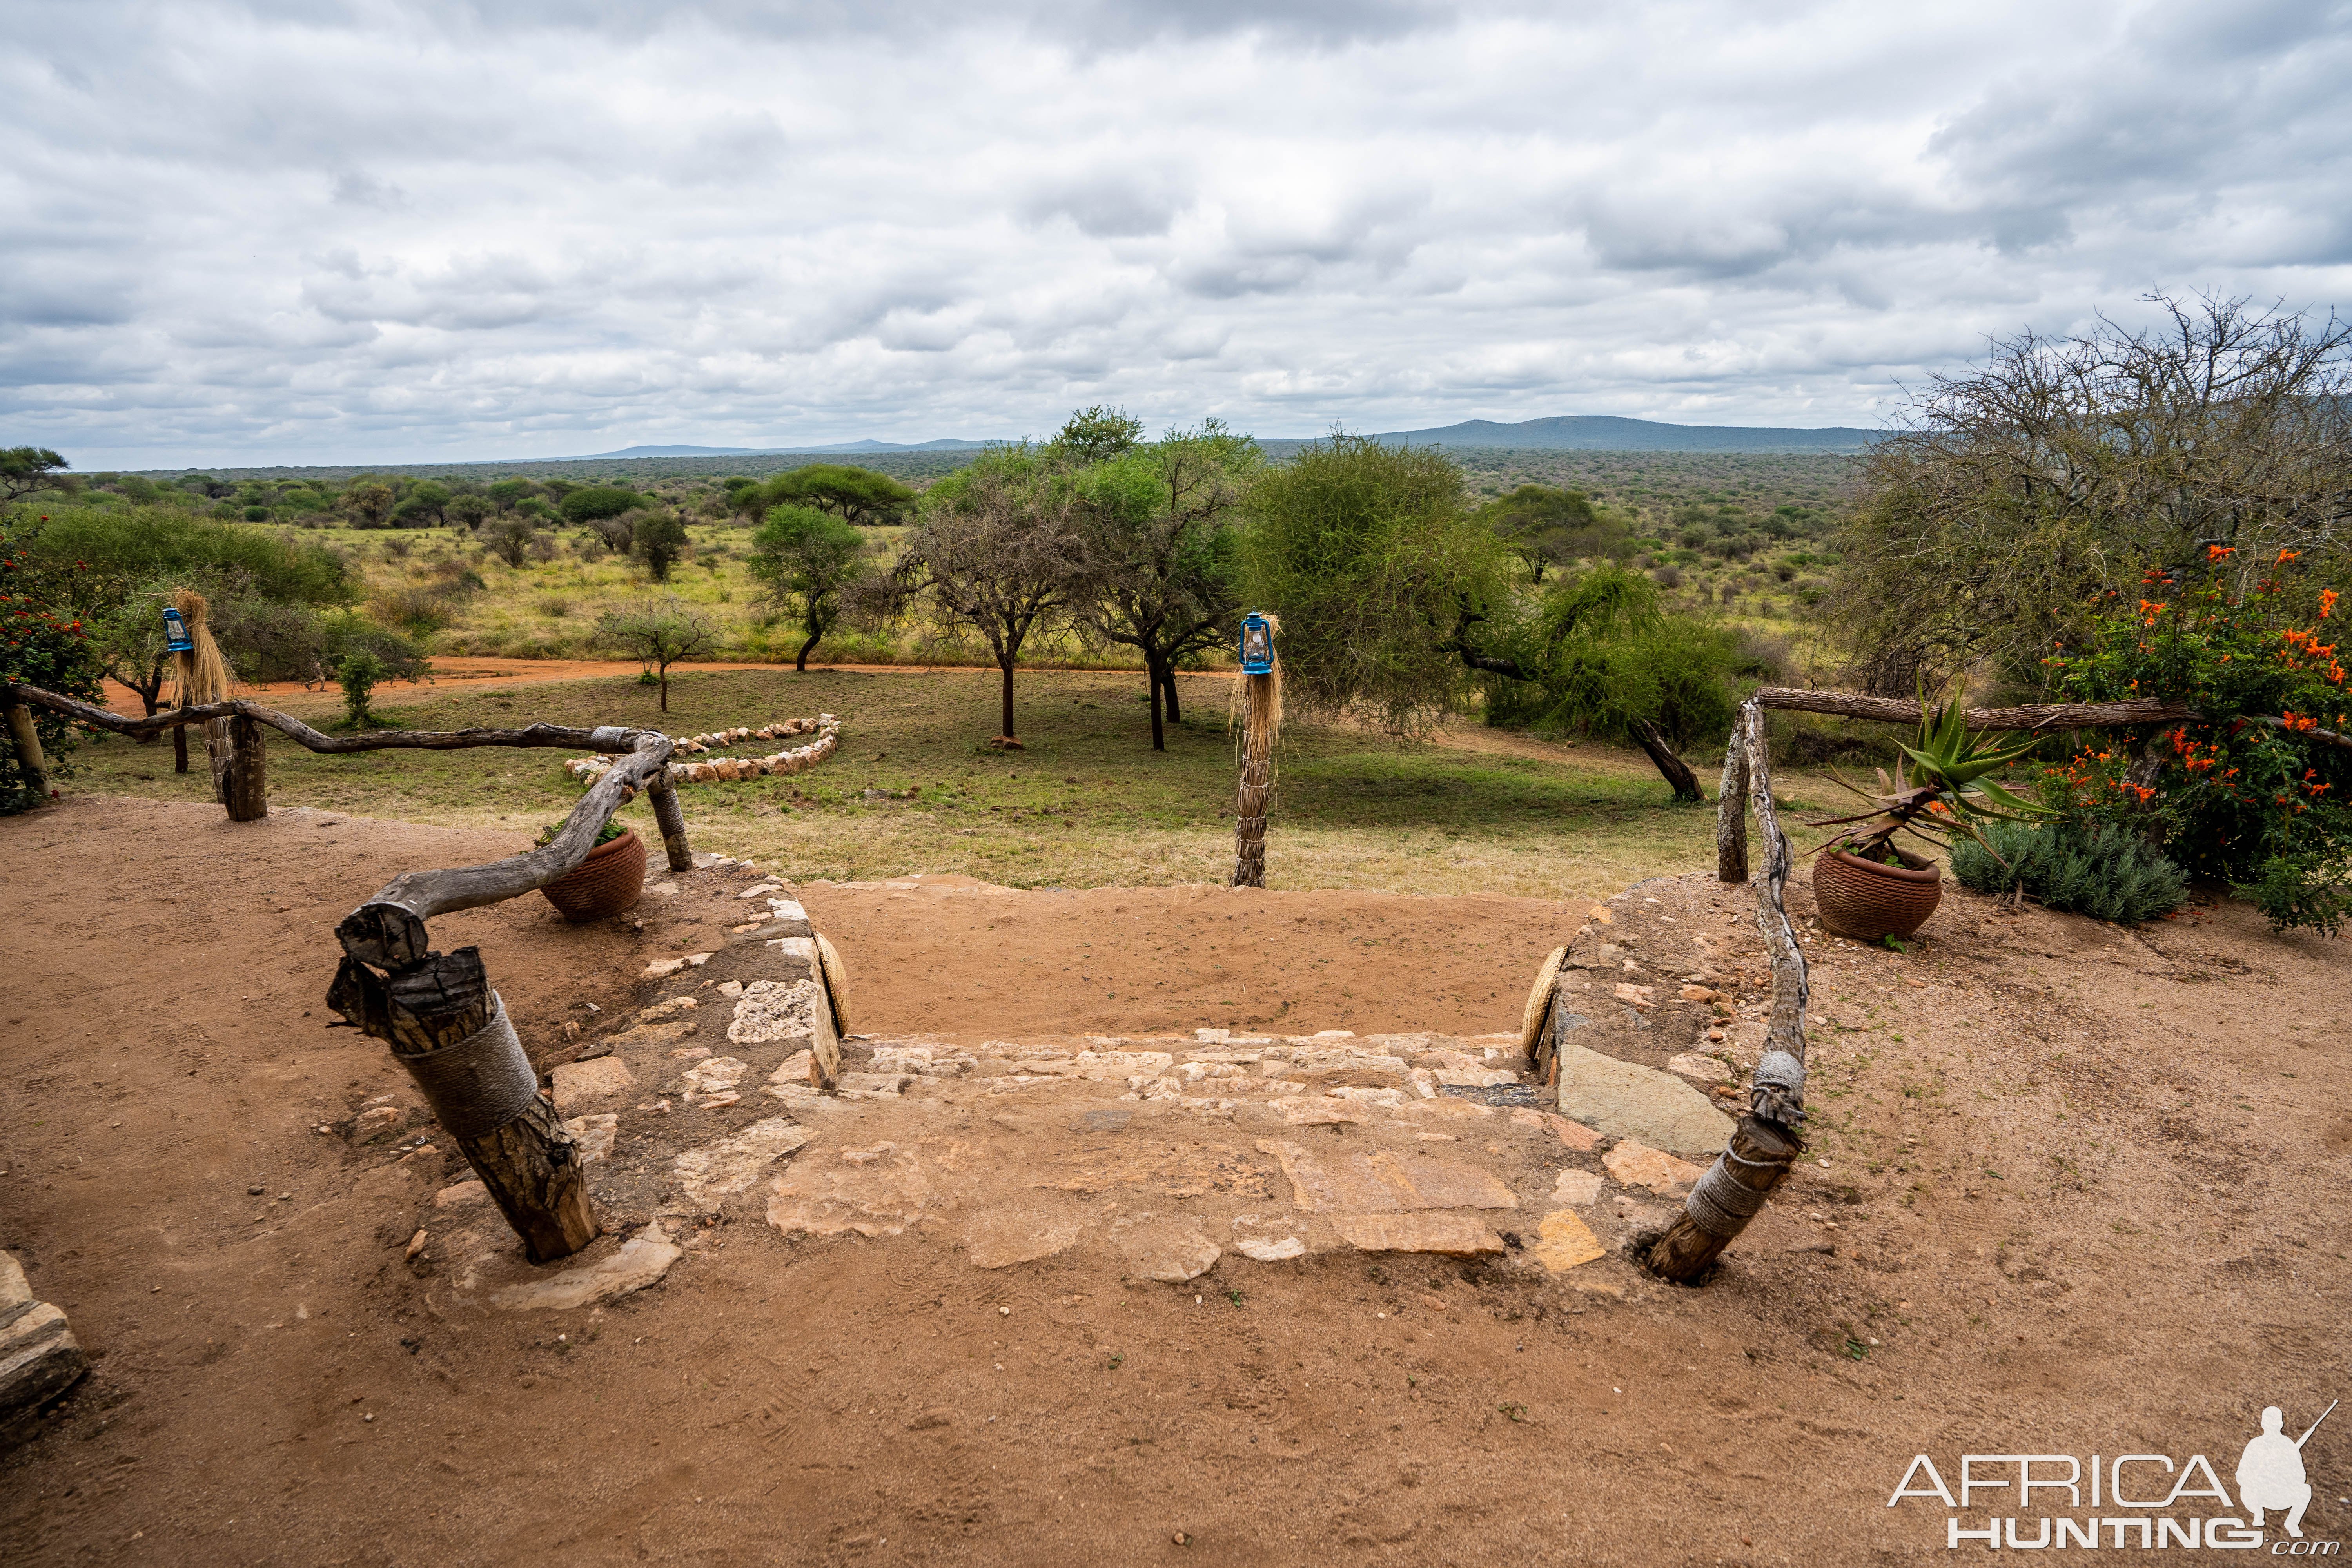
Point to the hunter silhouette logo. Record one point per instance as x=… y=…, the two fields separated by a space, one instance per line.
x=2270 y=1472
x=2144 y=1501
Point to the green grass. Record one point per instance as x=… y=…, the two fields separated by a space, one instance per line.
x=1087 y=805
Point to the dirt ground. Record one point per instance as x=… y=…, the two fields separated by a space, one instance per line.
x=2059 y=1200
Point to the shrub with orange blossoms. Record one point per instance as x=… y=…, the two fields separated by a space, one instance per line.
x=2252 y=790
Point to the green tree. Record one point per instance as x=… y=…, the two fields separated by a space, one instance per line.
x=808 y=560
x=858 y=496
x=1550 y=528
x=1096 y=435
x=427 y=505
x=24 y=469
x=1158 y=550
x=657 y=633
x=368 y=503
x=507 y=494
x=1366 y=553
x=994 y=553
x=660 y=539
x=470 y=511
x=596 y=502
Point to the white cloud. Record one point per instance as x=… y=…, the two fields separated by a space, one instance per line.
x=417 y=229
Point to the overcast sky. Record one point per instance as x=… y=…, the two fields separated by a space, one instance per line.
x=414 y=230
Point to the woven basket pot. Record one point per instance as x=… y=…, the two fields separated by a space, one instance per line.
x=1865 y=900
x=608 y=881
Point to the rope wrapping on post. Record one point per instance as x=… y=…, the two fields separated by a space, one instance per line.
x=478 y=1084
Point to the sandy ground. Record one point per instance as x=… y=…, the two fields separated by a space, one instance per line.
x=2060 y=1201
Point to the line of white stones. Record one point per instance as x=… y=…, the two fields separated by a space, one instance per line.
x=727 y=769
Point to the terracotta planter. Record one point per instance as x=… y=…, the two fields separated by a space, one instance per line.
x=610 y=880
x=1865 y=900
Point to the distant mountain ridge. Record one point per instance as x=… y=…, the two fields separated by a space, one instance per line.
x=943 y=444
x=1558 y=432
x=1608 y=433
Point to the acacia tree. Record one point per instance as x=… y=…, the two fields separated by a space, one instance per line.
x=2019 y=493
x=858 y=496
x=994 y=552
x=809 y=561
x=657 y=633
x=1550 y=528
x=1159 y=547
x=24 y=469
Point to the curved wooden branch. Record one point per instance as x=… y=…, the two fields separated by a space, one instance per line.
x=2047 y=716
x=388 y=931
x=604 y=738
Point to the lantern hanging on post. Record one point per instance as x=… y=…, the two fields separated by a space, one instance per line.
x=175 y=633
x=1259 y=696
x=1258 y=644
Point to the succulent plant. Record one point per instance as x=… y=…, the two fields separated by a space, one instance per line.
x=1940 y=788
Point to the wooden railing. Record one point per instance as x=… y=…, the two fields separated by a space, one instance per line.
x=436 y=1011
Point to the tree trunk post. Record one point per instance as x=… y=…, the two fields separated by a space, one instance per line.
x=29 y=757
x=179 y=748
x=1766 y=1142
x=1151 y=683
x=245 y=786
x=1005 y=669
x=451 y=1032
x=1731 y=809
x=1261 y=724
x=1168 y=696
x=187 y=663
x=662 y=790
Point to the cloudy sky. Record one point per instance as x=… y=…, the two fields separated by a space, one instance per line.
x=415 y=230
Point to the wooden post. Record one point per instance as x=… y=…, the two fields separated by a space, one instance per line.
x=662 y=790
x=1731 y=809
x=29 y=758
x=179 y=748
x=1261 y=703
x=446 y=1027
x=1766 y=1142
x=187 y=663
x=245 y=785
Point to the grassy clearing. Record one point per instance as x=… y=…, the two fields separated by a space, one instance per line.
x=1087 y=805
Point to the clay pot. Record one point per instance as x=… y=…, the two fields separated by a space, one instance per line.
x=1865 y=900
x=610 y=880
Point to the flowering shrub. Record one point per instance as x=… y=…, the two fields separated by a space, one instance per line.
x=2258 y=804
x=42 y=647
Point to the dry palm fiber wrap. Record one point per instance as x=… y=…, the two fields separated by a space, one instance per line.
x=1719 y=1203
x=478 y=1084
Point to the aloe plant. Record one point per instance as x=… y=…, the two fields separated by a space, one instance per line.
x=1940 y=789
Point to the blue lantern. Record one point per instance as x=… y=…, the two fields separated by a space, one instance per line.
x=1258 y=644
x=175 y=634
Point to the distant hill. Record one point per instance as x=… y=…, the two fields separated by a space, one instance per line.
x=663 y=452
x=1605 y=433
x=943 y=444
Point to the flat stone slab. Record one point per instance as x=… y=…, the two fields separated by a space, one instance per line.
x=1382 y=1182
x=1001 y=1240
x=1625 y=1100
x=581 y=1083
x=1170 y=1250
x=640 y=1261
x=1455 y=1234
x=1578 y=1188
x=1638 y=1165
x=1563 y=1242
x=711 y=1175
x=594 y=1134
x=879 y=1190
